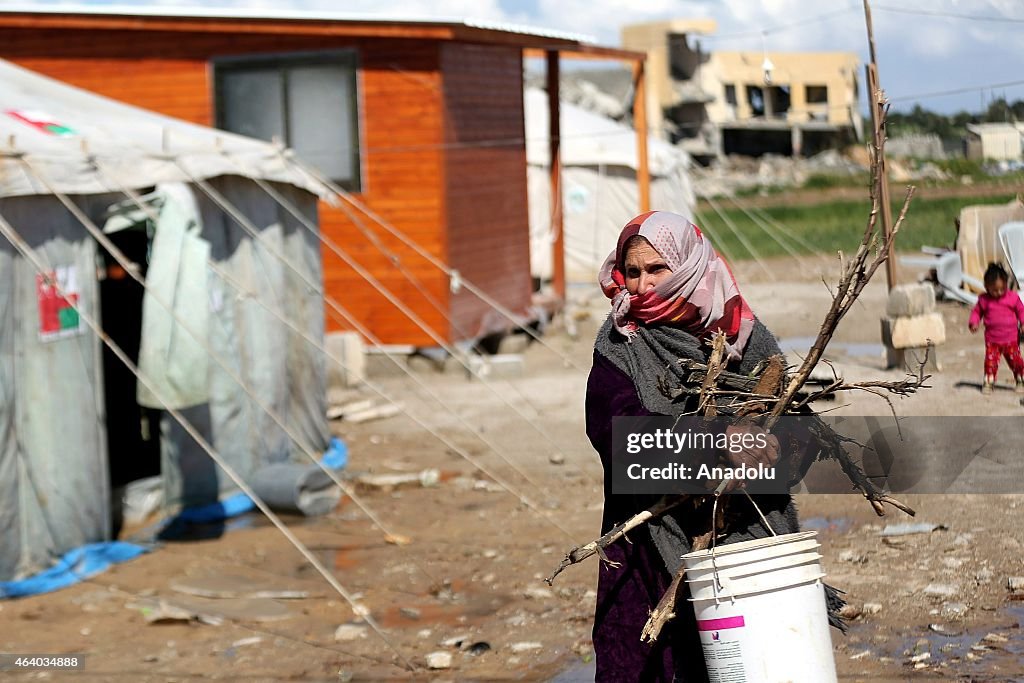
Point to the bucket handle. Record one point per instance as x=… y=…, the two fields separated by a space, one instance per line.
x=716 y=585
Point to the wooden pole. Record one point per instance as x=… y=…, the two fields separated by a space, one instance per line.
x=555 y=154
x=643 y=173
x=877 y=112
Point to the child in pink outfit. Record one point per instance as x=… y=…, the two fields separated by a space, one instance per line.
x=1002 y=312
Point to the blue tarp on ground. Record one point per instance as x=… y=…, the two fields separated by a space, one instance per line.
x=76 y=565
x=95 y=558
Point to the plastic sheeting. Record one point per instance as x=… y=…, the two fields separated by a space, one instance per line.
x=282 y=369
x=54 y=492
x=599 y=187
x=171 y=355
x=75 y=566
x=978 y=239
x=66 y=131
x=597 y=202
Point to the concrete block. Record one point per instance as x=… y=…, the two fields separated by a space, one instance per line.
x=914 y=331
x=498 y=365
x=388 y=360
x=346 y=362
x=425 y=364
x=910 y=359
x=910 y=300
x=514 y=343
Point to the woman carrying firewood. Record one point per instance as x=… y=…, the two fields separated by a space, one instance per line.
x=670 y=292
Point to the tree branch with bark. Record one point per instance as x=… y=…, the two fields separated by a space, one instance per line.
x=770 y=392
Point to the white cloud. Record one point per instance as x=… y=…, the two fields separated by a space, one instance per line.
x=918 y=51
x=939 y=42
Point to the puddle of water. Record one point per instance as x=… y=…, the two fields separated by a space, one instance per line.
x=862 y=349
x=858 y=349
x=826 y=524
x=953 y=648
x=1016 y=644
x=581 y=673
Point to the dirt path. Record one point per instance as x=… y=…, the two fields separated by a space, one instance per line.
x=473 y=573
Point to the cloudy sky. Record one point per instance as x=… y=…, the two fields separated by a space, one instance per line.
x=946 y=54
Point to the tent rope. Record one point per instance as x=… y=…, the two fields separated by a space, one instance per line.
x=495 y=305
x=416 y=282
x=370 y=278
x=706 y=228
x=752 y=211
x=19 y=243
x=788 y=232
x=741 y=237
x=132 y=270
x=387 y=396
x=333 y=304
x=769 y=230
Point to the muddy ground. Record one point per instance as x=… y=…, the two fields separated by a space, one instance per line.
x=929 y=606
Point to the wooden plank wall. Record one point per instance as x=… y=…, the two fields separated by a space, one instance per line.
x=401 y=125
x=488 y=218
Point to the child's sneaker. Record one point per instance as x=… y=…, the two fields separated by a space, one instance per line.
x=1020 y=386
x=986 y=388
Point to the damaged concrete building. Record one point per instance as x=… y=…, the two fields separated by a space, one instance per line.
x=715 y=103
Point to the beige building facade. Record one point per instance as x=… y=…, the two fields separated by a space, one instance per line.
x=746 y=102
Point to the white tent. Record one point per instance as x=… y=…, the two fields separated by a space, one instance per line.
x=62 y=148
x=599 y=164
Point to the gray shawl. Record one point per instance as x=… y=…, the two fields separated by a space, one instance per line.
x=651 y=355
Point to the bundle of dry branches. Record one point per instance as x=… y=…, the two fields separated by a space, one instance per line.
x=770 y=392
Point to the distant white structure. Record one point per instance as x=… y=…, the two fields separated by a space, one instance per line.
x=599 y=165
x=994 y=141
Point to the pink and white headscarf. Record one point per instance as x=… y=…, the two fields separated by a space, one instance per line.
x=700 y=295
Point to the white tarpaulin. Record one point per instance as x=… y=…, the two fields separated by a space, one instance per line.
x=62 y=128
x=54 y=430
x=599 y=193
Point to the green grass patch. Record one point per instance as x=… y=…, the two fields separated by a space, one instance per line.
x=825 y=181
x=829 y=226
x=959 y=167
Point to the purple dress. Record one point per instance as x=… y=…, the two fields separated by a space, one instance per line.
x=627 y=594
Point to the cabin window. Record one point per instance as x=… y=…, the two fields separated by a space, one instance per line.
x=307 y=101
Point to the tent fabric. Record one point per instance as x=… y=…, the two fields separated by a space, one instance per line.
x=170 y=355
x=978 y=237
x=590 y=139
x=599 y=187
x=54 y=472
x=597 y=202
x=281 y=368
x=54 y=494
x=63 y=129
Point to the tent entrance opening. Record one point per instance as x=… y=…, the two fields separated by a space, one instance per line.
x=133 y=432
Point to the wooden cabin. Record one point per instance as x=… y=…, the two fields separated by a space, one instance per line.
x=422 y=121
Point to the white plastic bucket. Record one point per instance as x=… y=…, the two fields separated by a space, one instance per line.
x=764 y=620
